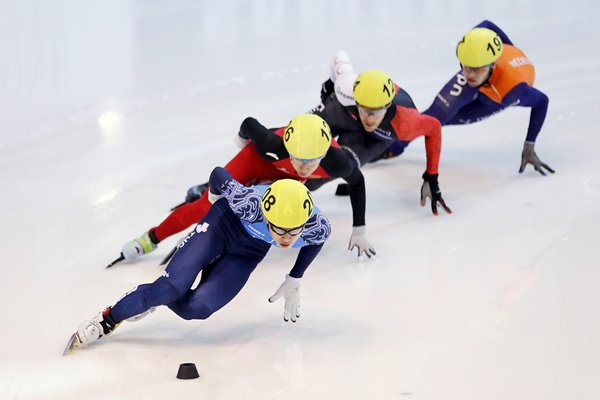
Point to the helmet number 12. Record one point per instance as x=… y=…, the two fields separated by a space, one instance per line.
x=387 y=89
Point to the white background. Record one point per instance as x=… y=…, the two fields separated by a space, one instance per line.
x=110 y=110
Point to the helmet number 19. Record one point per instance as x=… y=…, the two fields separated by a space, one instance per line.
x=497 y=45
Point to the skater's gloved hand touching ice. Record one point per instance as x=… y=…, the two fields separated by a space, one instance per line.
x=431 y=189
x=359 y=241
x=528 y=156
x=290 y=290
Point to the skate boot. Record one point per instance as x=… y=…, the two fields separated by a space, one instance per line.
x=340 y=65
x=99 y=326
x=195 y=192
x=343 y=88
x=92 y=330
x=140 y=246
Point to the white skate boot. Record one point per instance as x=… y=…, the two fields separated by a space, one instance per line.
x=340 y=65
x=343 y=87
x=90 y=331
x=138 y=247
x=99 y=326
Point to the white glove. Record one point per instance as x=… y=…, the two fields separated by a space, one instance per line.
x=340 y=65
x=359 y=240
x=290 y=290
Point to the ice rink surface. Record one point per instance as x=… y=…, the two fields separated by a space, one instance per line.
x=111 y=110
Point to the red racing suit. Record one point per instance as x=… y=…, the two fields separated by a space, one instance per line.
x=265 y=158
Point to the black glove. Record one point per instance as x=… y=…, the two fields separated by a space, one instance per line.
x=528 y=156
x=431 y=189
x=326 y=89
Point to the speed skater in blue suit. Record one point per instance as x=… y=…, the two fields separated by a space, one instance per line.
x=225 y=247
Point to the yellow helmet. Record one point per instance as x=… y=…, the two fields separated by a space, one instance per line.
x=287 y=203
x=479 y=47
x=307 y=136
x=374 y=89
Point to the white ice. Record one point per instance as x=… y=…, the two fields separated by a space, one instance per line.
x=110 y=110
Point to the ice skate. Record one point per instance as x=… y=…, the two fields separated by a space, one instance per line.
x=343 y=89
x=92 y=330
x=138 y=247
x=340 y=65
x=195 y=192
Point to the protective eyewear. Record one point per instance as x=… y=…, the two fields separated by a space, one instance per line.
x=375 y=112
x=474 y=70
x=291 y=232
x=307 y=160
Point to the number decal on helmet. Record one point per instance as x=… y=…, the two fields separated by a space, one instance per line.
x=387 y=89
x=287 y=204
x=374 y=89
x=268 y=200
x=288 y=132
x=308 y=203
x=307 y=137
x=497 y=44
x=480 y=47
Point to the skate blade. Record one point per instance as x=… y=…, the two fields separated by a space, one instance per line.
x=72 y=344
x=121 y=258
x=168 y=256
